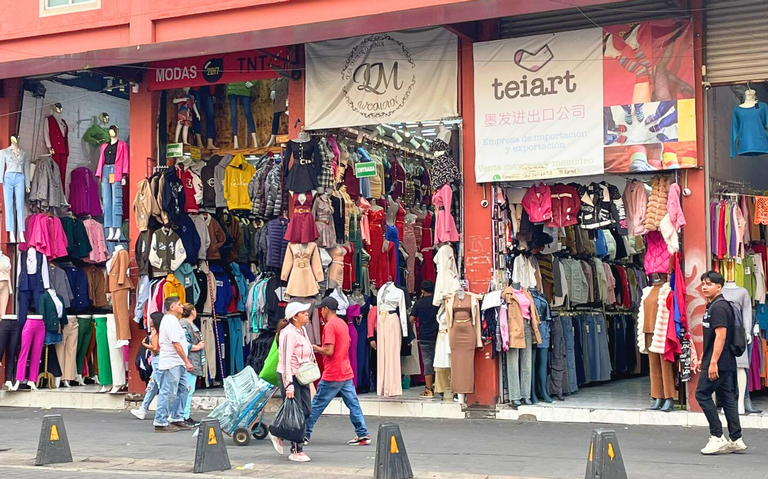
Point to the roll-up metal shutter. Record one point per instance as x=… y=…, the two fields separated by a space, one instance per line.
x=736 y=36
x=567 y=19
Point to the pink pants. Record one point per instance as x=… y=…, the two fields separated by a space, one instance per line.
x=32 y=337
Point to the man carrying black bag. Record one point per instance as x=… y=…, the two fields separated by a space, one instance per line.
x=294 y=350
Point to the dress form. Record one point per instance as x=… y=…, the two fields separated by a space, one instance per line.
x=18 y=154
x=741 y=372
x=750 y=99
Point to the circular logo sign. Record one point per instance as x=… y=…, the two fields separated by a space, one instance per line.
x=213 y=70
x=379 y=76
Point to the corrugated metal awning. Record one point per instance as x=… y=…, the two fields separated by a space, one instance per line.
x=589 y=17
x=736 y=36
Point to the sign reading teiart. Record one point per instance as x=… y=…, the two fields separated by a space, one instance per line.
x=538 y=107
x=382 y=78
x=213 y=69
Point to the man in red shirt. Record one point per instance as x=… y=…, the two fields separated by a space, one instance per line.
x=337 y=374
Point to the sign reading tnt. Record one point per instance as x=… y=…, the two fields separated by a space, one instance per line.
x=223 y=68
x=365 y=170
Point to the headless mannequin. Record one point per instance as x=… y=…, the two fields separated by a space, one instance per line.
x=16 y=150
x=750 y=99
x=183 y=130
x=741 y=372
x=120 y=343
x=302 y=137
x=517 y=402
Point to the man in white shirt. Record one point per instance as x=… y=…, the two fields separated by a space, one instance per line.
x=172 y=365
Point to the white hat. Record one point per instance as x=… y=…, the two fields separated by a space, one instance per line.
x=295 y=308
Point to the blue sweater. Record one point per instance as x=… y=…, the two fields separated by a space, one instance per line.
x=749 y=130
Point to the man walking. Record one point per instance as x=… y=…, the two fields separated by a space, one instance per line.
x=426 y=313
x=718 y=368
x=173 y=366
x=337 y=374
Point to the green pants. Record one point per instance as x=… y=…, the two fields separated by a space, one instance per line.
x=102 y=350
x=84 y=334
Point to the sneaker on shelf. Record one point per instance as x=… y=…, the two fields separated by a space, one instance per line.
x=298 y=457
x=360 y=441
x=427 y=394
x=277 y=443
x=139 y=413
x=716 y=445
x=181 y=425
x=737 y=445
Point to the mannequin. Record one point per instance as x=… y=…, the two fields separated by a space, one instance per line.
x=241 y=91
x=204 y=99
x=444 y=169
x=279 y=97
x=302 y=227
x=652 y=323
x=116 y=357
x=56 y=135
x=10 y=337
x=749 y=130
x=32 y=338
x=119 y=286
x=463 y=315
x=541 y=351
x=740 y=297
x=113 y=169
x=523 y=319
x=301 y=174
x=302 y=269
x=103 y=355
x=97 y=134
x=391 y=328
x=185 y=106
x=15 y=177
x=443 y=134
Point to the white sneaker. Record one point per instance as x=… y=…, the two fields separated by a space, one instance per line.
x=139 y=413
x=300 y=457
x=277 y=443
x=716 y=445
x=737 y=445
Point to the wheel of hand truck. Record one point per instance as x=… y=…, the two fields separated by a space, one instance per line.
x=261 y=432
x=242 y=436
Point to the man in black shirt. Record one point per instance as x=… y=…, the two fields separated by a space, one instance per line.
x=427 y=316
x=718 y=367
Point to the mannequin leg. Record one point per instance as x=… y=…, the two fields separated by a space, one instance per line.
x=210 y=124
x=534 y=369
x=199 y=140
x=185 y=134
x=106 y=195
x=513 y=374
x=117 y=209
x=233 y=117
x=178 y=132
x=741 y=377
x=116 y=360
x=10 y=336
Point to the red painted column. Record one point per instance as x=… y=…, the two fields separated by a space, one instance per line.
x=143 y=126
x=478 y=264
x=695 y=251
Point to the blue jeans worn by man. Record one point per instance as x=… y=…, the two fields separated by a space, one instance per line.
x=173 y=396
x=326 y=391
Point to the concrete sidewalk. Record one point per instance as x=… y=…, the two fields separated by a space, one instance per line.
x=437 y=448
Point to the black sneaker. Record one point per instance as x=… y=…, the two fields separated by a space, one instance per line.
x=191 y=422
x=181 y=425
x=168 y=428
x=360 y=441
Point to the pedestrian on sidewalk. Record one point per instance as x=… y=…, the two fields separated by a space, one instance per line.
x=153 y=346
x=294 y=349
x=337 y=374
x=718 y=368
x=173 y=366
x=426 y=314
x=196 y=356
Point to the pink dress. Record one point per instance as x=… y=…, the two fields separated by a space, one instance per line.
x=445 y=226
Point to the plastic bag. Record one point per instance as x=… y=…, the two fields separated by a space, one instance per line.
x=269 y=371
x=289 y=422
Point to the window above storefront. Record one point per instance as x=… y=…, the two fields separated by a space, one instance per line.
x=60 y=7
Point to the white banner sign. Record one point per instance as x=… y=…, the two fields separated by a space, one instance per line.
x=382 y=78
x=539 y=107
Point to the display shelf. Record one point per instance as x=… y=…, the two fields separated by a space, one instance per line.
x=232 y=151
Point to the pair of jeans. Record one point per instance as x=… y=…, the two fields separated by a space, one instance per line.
x=112 y=195
x=191 y=385
x=13 y=189
x=603 y=354
x=245 y=102
x=570 y=353
x=173 y=396
x=519 y=362
x=10 y=337
x=326 y=391
x=153 y=386
x=726 y=397
x=204 y=102
x=235 y=345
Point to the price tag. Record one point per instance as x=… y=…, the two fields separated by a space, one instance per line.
x=738 y=260
x=599 y=329
x=747 y=270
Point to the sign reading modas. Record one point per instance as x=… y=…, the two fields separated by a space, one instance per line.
x=382 y=78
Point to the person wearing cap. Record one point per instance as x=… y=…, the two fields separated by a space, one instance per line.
x=337 y=374
x=294 y=349
x=426 y=313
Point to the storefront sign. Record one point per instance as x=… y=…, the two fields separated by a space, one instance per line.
x=365 y=170
x=174 y=150
x=382 y=78
x=213 y=69
x=614 y=100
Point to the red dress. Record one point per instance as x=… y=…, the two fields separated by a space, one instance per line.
x=302 y=228
x=349 y=270
x=400 y=223
x=428 y=266
x=378 y=269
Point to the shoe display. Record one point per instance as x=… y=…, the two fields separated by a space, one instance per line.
x=360 y=441
x=716 y=445
x=139 y=413
x=657 y=403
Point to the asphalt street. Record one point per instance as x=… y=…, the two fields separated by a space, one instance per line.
x=487 y=447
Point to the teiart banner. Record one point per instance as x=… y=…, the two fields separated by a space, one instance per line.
x=382 y=78
x=539 y=107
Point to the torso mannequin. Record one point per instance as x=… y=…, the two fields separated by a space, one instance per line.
x=15 y=177
x=750 y=99
x=740 y=297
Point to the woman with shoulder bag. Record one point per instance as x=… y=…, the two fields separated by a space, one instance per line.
x=295 y=352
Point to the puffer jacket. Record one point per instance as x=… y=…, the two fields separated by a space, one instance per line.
x=657 y=202
x=274 y=193
x=276 y=244
x=657 y=255
x=636 y=202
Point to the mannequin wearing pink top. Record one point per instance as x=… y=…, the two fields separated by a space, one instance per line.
x=445 y=226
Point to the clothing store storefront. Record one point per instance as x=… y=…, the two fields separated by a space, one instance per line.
x=738 y=146
x=584 y=137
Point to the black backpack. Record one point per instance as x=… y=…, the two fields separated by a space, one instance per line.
x=739 y=338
